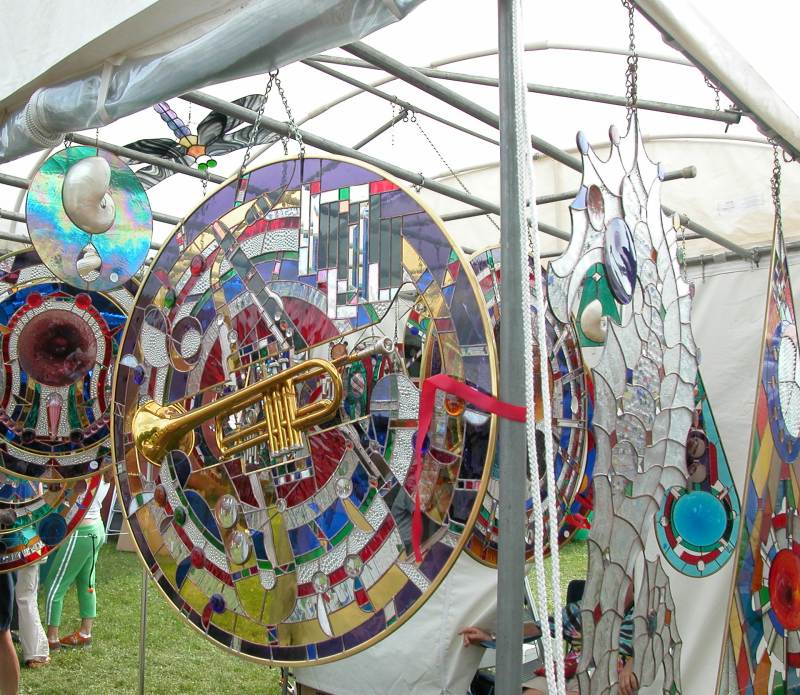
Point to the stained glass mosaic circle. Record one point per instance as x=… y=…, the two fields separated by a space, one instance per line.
x=299 y=552
x=58 y=344
x=570 y=413
x=63 y=230
x=45 y=516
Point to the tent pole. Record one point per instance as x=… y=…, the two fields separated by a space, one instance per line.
x=680 y=24
x=429 y=85
x=727 y=116
x=381 y=129
x=18 y=182
x=142 y=630
x=393 y=99
x=686 y=173
x=511 y=440
x=210 y=102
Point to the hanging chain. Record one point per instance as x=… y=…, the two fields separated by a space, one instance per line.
x=632 y=70
x=205 y=182
x=413 y=118
x=257 y=123
x=709 y=83
x=677 y=223
x=294 y=131
x=391 y=130
x=97 y=141
x=775 y=185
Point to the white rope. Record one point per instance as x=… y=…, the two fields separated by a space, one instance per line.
x=553 y=657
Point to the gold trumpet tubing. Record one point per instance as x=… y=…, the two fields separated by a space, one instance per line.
x=279 y=433
x=290 y=407
x=158 y=430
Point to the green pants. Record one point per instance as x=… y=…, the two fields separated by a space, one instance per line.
x=74 y=563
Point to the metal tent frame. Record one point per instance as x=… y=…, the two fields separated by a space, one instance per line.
x=679 y=25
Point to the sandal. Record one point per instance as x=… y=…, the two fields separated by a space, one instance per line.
x=37 y=662
x=76 y=639
x=54 y=646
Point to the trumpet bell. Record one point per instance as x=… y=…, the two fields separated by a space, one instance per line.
x=156 y=431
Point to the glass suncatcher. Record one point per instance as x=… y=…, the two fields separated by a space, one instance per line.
x=59 y=345
x=622 y=262
x=571 y=419
x=280 y=526
x=761 y=651
x=698 y=524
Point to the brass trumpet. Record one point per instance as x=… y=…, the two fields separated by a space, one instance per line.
x=159 y=429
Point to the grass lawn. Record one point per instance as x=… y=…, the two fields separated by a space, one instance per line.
x=572 y=562
x=179 y=660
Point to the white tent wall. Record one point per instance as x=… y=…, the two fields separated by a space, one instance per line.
x=425 y=656
x=728 y=325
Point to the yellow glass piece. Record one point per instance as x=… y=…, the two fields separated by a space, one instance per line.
x=761 y=470
x=453 y=405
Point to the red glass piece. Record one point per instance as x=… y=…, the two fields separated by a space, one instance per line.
x=784 y=588
x=34 y=300
x=197 y=265
x=160 y=495
x=83 y=301
x=198 y=559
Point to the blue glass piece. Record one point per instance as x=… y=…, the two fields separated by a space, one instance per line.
x=258 y=544
x=182 y=571
x=203 y=513
x=583 y=143
x=333 y=519
x=580 y=201
x=699 y=518
x=52 y=529
x=302 y=539
x=360 y=481
x=233 y=287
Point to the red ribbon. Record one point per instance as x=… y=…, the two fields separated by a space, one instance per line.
x=453 y=387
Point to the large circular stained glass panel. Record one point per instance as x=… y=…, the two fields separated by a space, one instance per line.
x=58 y=346
x=266 y=403
x=570 y=417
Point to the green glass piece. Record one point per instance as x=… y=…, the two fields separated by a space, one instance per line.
x=211 y=163
x=344 y=194
x=179 y=515
x=595 y=286
x=33 y=414
x=169 y=299
x=202 y=166
x=72 y=410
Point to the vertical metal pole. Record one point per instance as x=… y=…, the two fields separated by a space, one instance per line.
x=143 y=629
x=512 y=443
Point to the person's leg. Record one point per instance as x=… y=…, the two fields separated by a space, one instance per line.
x=31 y=633
x=9 y=664
x=85 y=584
x=59 y=578
x=87 y=589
